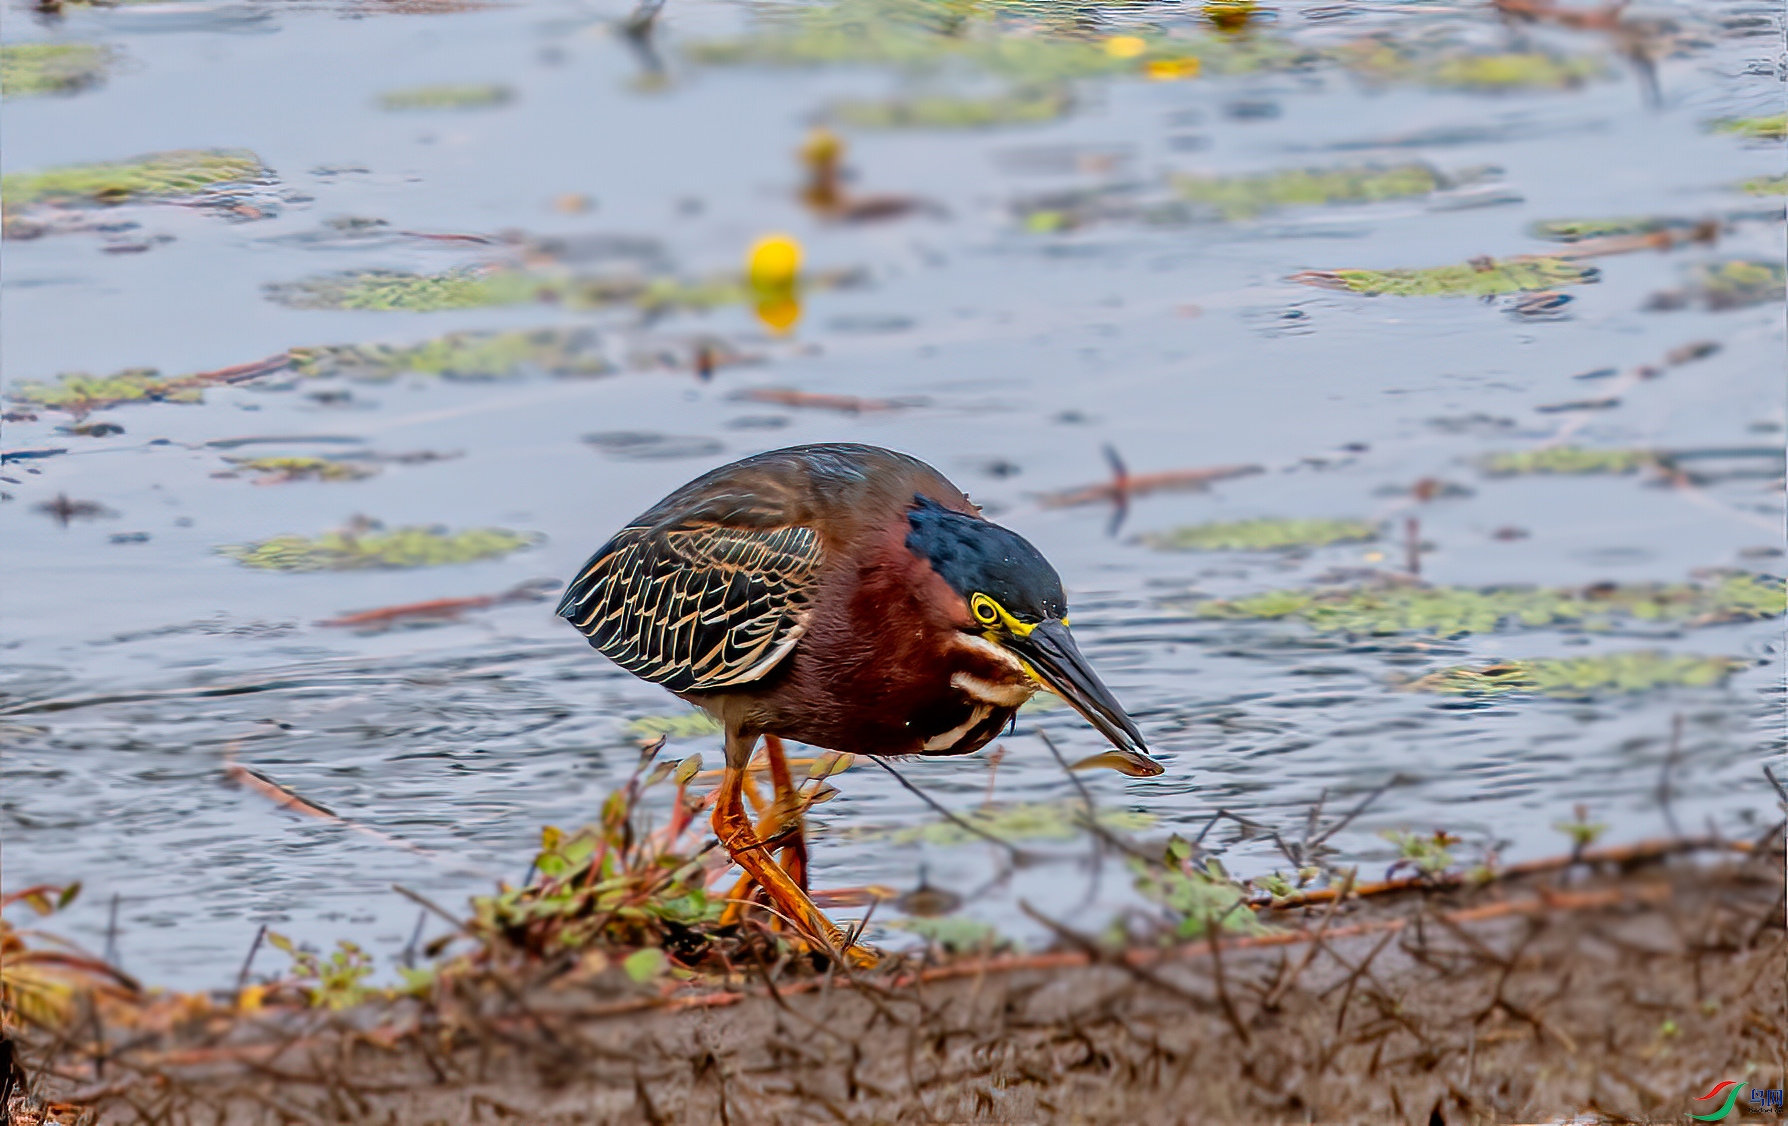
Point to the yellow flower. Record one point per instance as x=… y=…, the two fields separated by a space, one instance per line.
x=774 y=263
x=1125 y=46
x=1170 y=70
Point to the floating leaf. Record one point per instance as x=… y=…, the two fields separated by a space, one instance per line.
x=352 y=550
x=1450 y=611
x=447 y=96
x=945 y=111
x=1480 y=277
x=1381 y=59
x=1770 y=128
x=158 y=175
x=1568 y=460
x=1198 y=897
x=29 y=69
x=1027 y=821
x=386 y=290
x=462 y=355
x=303 y=468
x=1243 y=197
x=1579 y=678
x=1262 y=535
x=1576 y=230
x=1765 y=185
x=955 y=934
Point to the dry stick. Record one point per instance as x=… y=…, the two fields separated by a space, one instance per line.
x=1092 y=813
x=1781 y=790
x=1664 y=774
x=428 y=904
x=1095 y=953
x=1213 y=926
x=1271 y=1000
x=248 y=962
x=1656 y=849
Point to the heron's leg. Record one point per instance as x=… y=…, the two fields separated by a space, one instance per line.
x=786 y=828
x=733 y=826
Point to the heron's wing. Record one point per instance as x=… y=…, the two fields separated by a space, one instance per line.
x=699 y=604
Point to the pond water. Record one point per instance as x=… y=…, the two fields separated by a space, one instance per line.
x=1052 y=296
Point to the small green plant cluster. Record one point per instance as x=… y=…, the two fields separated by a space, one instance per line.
x=79 y=393
x=1244 y=197
x=1480 y=277
x=1023 y=106
x=1566 y=460
x=615 y=884
x=1025 y=821
x=1765 y=185
x=1199 y=898
x=31 y=69
x=1576 y=230
x=1381 y=59
x=1582 y=678
x=447 y=96
x=461 y=355
x=356 y=549
x=1262 y=535
x=297 y=468
x=1450 y=611
x=1025 y=43
x=954 y=934
x=1427 y=854
x=155 y=176
x=1738 y=283
x=336 y=982
x=391 y=291
x=1770 y=128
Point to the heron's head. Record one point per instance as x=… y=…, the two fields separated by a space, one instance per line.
x=1014 y=599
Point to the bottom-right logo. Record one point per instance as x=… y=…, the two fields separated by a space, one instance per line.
x=1761 y=1097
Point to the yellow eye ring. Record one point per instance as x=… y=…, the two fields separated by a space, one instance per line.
x=986 y=611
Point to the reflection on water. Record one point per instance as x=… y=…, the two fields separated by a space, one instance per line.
x=1054 y=294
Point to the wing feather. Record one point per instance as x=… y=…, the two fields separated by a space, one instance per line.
x=697 y=606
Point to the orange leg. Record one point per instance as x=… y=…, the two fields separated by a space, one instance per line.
x=787 y=810
x=733 y=826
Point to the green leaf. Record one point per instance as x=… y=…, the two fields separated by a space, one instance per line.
x=645 y=964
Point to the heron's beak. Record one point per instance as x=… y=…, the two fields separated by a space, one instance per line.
x=1056 y=661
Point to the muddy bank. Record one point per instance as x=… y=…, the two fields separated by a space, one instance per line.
x=1614 y=992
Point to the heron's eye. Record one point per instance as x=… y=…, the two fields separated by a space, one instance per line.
x=984 y=609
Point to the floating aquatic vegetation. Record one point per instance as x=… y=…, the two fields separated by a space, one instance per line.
x=1243 y=197
x=29 y=69
x=1199 y=898
x=366 y=545
x=947 y=111
x=477 y=288
x=1772 y=128
x=278 y=470
x=1566 y=459
x=1262 y=535
x=80 y=393
x=1576 y=230
x=955 y=934
x=686 y=725
x=1480 y=277
x=1028 y=44
x=1765 y=185
x=1449 y=611
x=447 y=96
x=461 y=355
x=1736 y=283
x=1579 y=678
x=1026 y=821
x=1380 y=59
x=158 y=175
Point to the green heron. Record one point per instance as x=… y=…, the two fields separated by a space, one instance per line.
x=843 y=596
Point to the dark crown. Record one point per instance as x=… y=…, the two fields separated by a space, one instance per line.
x=977 y=557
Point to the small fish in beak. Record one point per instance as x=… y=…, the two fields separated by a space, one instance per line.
x=1053 y=658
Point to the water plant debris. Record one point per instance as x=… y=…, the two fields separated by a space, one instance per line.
x=1480 y=277
x=366 y=545
x=1582 y=678
x=1262 y=535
